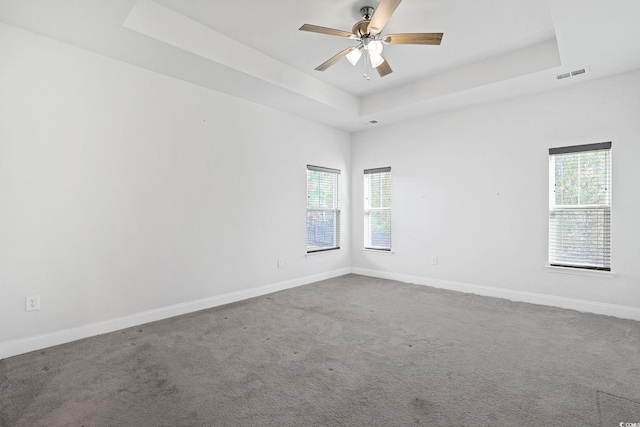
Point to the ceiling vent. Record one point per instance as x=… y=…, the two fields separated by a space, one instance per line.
x=572 y=73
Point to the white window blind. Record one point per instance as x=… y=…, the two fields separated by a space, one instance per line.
x=580 y=206
x=377 y=208
x=323 y=209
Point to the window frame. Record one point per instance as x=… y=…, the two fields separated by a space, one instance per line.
x=335 y=209
x=554 y=259
x=368 y=209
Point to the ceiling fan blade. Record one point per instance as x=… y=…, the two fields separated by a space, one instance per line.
x=329 y=31
x=335 y=59
x=413 y=38
x=381 y=15
x=384 y=68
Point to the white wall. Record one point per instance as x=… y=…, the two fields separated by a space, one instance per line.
x=471 y=187
x=123 y=191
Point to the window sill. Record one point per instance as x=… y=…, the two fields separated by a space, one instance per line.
x=323 y=253
x=580 y=272
x=377 y=251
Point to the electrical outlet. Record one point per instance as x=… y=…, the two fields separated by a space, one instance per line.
x=32 y=303
x=280 y=263
x=434 y=260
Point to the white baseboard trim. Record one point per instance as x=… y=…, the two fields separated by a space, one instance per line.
x=620 y=311
x=38 y=342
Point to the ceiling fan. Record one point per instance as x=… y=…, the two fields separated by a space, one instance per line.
x=367 y=32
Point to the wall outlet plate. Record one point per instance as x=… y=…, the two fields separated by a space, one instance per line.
x=32 y=303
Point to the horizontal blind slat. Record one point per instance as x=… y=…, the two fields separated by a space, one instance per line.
x=323 y=169
x=580 y=148
x=377 y=170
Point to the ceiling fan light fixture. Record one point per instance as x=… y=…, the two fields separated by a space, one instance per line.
x=368 y=33
x=354 y=56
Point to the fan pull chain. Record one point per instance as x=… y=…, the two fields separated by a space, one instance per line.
x=364 y=65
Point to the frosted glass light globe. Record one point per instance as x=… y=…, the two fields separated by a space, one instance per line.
x=375 y=47
x=354 y=56
x=376 y=60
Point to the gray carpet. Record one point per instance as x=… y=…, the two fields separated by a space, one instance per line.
x=351 y=351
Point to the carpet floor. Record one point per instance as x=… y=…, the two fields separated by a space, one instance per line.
x=350 y=351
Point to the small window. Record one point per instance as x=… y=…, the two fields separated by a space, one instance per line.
x=323 y=209
x=377 y=209
x=580 y=206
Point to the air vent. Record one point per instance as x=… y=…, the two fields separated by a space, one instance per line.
x=572 y=73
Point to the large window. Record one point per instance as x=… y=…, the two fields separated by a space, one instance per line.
x=580 y=206
x=323 y=209
x=377 y=209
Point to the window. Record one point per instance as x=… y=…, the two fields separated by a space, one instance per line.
x=377 y=209
x=323 y=209
x=580 y=206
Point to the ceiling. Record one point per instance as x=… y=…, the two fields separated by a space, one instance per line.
x=491 y=50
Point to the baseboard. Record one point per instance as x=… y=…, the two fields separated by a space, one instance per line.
x=620 y=311
x=26 y=345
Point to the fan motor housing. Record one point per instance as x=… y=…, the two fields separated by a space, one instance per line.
x=361 y=28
